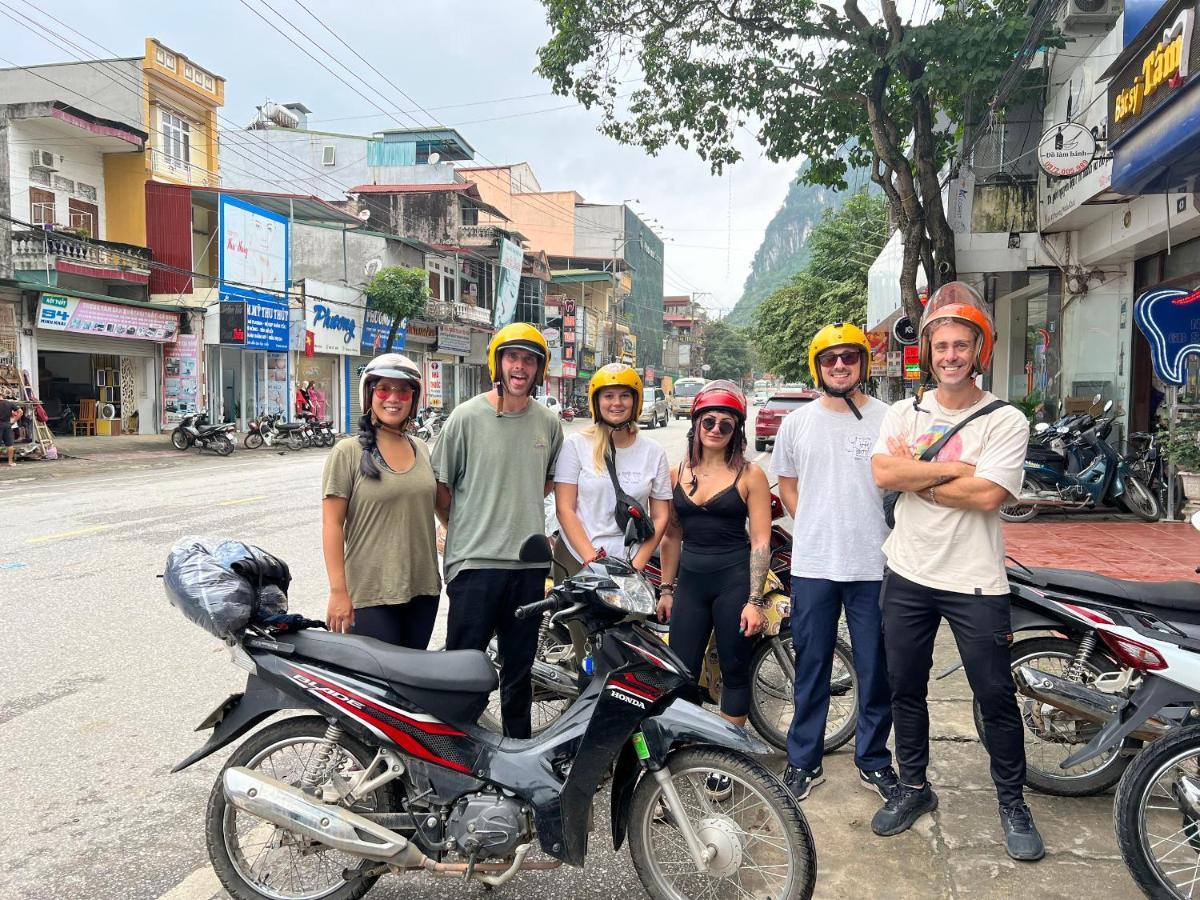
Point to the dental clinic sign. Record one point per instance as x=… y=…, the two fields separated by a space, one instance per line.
x=335 y=327
x=1170 y=320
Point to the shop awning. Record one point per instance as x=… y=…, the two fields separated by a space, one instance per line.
x=87 y=295
x=579 y=276
x=301 y=207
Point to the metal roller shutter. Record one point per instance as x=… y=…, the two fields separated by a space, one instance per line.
x=66 y=342
x=354 y=403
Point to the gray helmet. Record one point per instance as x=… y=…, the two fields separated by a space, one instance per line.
x=389 y=365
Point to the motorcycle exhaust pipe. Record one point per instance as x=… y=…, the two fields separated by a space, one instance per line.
x=1080 y=700
x=335 y=827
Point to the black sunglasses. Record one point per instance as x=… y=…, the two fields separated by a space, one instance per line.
x=712 y=423
x=829 y=359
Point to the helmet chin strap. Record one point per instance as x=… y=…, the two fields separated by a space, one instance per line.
x=845 y=395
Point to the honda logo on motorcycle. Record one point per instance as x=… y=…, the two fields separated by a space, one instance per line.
x=621 y=695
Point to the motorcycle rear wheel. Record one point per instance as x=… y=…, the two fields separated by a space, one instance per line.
x=223 y=445
x=1017 y=511
x=179 y=440
x=295 y=441
x=772 y=703
x=763 y=843
x=282 y=750
x=1140 y=500
x=328 y=438
x=1042 y=757
x=1149 y=810
x=253 y=440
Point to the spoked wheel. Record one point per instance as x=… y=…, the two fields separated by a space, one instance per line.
x=1157 y=815
x=1052 y=735
x=253 y=440
x=179 y=440
x=555 y=649
x=1015 y=510
x=223 y=445
x=295 y=441
x=772 y=696
x=761 y=843
x=1140 y=500
x=255 y=859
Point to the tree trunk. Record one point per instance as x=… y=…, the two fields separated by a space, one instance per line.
x=913 y=238
x=392 y=335
x=941 y=238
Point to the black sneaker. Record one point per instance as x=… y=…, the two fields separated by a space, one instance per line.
x=1021 y=838
x=905 y=806
x=801 y=781
x=883 y=781
x=719 y=787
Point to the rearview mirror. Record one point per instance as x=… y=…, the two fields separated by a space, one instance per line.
x=536 y=549
x=1108 y=406
x=1096 y=399
x=1041 y=427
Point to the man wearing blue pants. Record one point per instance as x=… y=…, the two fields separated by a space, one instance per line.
x=822 y=458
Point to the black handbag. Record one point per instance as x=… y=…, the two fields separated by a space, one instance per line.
x=930 y=454
x=627 y=507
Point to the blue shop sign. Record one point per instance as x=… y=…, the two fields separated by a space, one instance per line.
x=266 y=319
x=1170 y=320
x=375 y=330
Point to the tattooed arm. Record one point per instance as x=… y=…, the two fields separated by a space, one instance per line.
x=758 y=500
x=668 y=552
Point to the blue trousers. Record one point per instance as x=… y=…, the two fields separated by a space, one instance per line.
x=816 y=605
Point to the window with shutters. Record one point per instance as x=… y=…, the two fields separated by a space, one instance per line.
x=41 y=206
x=83 y=216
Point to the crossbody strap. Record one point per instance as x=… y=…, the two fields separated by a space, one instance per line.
x=610 y=460
x=932 y=452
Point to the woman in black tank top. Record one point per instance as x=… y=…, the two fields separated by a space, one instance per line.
x=713 y=568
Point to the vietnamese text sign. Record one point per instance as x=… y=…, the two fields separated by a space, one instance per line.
x=266 y=320
x=1170 y=320
x=912 y=363
x=254 y=246
x=57 y=312
x=453 y=339
x=335 y=327
x=181 y=379
x=376 y=327
x=433 y=382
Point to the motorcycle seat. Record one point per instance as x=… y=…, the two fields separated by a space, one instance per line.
x=1182 y=595
x=457 y=671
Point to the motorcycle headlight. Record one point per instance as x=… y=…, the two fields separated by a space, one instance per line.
x=633 y=595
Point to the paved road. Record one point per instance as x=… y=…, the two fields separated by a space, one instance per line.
x=104 y=681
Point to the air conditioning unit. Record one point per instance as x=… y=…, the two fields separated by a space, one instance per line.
x=1089 y=16
x=43 y=159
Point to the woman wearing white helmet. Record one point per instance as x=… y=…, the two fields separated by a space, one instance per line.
x=378 y=515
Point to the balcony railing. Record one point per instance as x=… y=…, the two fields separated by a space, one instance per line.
x=478 y=235
x=33 y=250
x=444 y=311
x=178 y=170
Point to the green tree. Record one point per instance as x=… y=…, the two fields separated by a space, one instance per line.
x=841 y=88
x=831 y=288
x=399 y=293
x=727 y=351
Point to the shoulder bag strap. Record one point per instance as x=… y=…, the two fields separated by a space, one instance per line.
x=936 y=448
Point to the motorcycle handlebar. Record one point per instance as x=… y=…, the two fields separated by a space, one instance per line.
x=536 y=609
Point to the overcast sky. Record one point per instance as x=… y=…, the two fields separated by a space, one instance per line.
x=443 y=56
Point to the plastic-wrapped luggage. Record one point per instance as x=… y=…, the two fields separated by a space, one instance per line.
x=224 y=585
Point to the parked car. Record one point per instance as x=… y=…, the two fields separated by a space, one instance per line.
x=655 y=409
x=761 y=397
x=770 y=414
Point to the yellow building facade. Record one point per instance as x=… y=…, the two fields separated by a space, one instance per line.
x=180 y=100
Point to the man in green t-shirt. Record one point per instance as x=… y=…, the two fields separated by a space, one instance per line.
x=494 y=463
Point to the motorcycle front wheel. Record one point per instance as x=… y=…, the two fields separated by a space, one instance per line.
x=328 y=438
x=1016 y=511
x=295 y=441
x=1051 y=736
x=179 y=440
x=772 y=694
x=1157 y=815
x=1140 y=500
x=222 y=445
x=257 y=860
x=253 y=440
x=763 y=846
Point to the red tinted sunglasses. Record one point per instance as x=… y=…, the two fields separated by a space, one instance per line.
x=404 y=392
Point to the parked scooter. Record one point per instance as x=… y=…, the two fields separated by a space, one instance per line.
x=194 y=430
x=390 y=773
x=63 y=423
x=1150 y=466
x=567 y=412
x=1086 y=473
x=1153 y=629
x=429 y=424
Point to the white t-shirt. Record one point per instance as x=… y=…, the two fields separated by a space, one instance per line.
x=642 y=470
x=839 y=527
x=959 y=550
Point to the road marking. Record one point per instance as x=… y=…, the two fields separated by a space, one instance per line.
x=13 y=565
x=200 y=885
x=243 y=500
x=63 y=535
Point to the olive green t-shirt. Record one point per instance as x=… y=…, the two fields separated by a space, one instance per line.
x=391 y=552
x=496 y=468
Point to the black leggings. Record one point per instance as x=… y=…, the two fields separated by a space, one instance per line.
x=711 y=593
x=404 y=624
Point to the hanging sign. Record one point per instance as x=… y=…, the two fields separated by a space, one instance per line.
x=895 y=363
x=904 y=332
x=912 y=363
x=57 y=312
x=433 y=383
x=1170 y=320
x=336 y=328
x=1066 y=149
x=453 y=339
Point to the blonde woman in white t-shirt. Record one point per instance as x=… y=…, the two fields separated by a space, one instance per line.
x=583 y=491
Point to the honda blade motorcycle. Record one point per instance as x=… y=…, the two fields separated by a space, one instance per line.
x=194 y=430
x=392 y=773
x=429 y=424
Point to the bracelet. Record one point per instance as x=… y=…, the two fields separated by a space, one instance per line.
x=668 y=588
x=760 y=601
x=932 y=496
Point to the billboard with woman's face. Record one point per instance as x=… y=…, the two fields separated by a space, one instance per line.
x=254 y=246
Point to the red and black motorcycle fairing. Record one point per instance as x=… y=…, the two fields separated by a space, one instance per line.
x=642 y=686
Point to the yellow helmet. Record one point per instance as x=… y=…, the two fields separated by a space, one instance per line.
x=836 y=335
x=614 y=375
x=524 y=336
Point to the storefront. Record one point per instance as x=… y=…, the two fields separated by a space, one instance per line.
x=103 y=359
x=246 y=359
